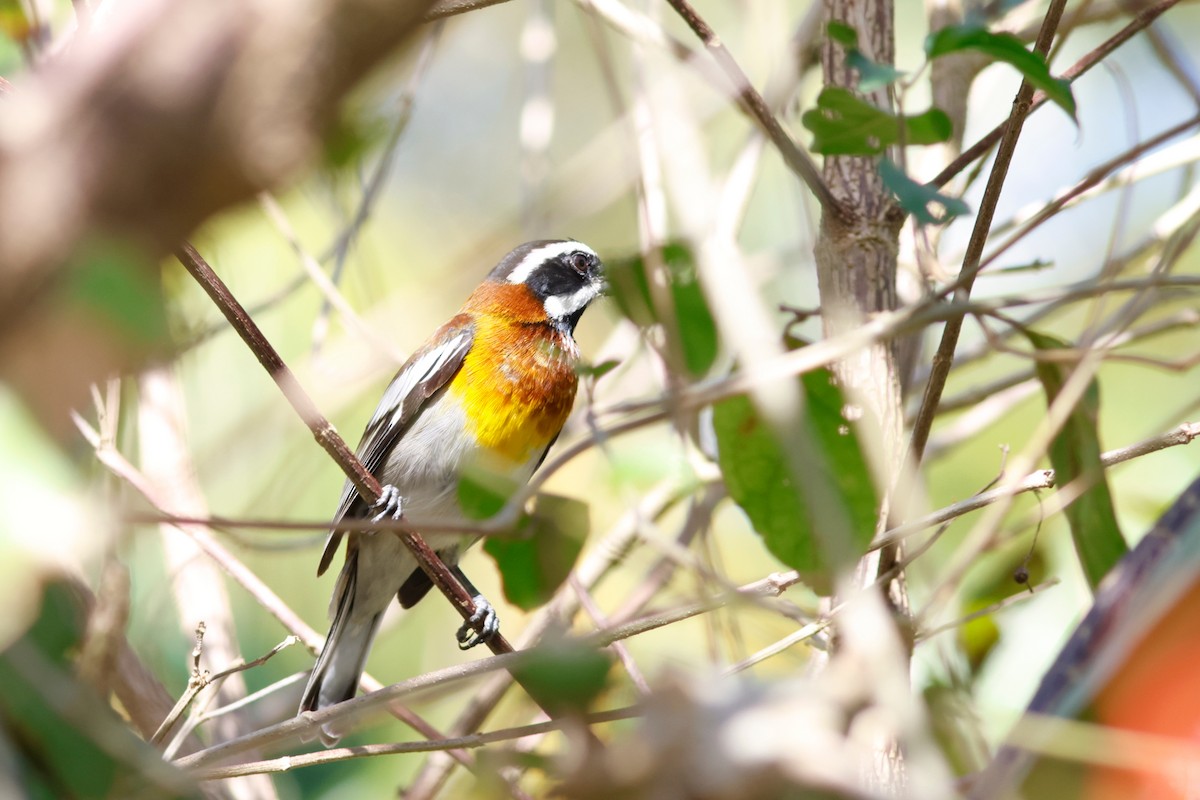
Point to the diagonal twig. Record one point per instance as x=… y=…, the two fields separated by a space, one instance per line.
x=796 y=159
x=324 y=432
x=1135 y=26
x=331 y=441
x=943 y=359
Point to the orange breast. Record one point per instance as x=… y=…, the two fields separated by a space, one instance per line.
x=516 y=385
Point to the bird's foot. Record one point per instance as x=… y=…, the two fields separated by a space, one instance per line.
x=390 y=502
x=482 y=626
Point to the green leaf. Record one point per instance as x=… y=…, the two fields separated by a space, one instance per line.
x=563 y=676
x=1037 y=265
x=979 y=636
x=597 y=371
x=842 y=33
x=915 y=197
x=1007 y=48
x=350 y=137
x=844 y=124
x=871 y=74
x=694 y=328
x=759 y=480
x=534 y=566
x=481 y=493
x=1075 y=455
x=117 y=285
x=61 y=739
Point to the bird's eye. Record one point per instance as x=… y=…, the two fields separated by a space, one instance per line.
x=579 y=262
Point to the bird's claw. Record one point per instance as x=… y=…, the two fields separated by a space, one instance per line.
x=482 y=626
x=391 y=503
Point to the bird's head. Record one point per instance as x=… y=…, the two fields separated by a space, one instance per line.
x=564 y=276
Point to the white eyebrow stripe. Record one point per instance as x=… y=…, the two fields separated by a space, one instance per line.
x=541 y=255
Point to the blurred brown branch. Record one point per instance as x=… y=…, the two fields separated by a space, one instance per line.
x=152 y=122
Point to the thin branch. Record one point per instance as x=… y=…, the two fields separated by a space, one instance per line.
x=796 y=159
x=350 y=711
x=325 y=285
x=1091 y=180
x=791 y=640
x=593 y=610
x=239 y=572
x=1148 y=582
x=1178 y=155
x=450 y=8
x=202 y=678
x=1080 y=67
x=943 y=359
x=199 y=714
x=262 y=594
x=596 y=564
x=334 y=755
x=706 y=393
x=1041 y=479
x=325 y=434
x=1184 y=319
x=186 y=698
x=341 y=245
x=1011 y=600
x=638 y=27
x=254 y=697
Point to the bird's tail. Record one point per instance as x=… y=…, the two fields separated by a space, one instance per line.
x=338 y=669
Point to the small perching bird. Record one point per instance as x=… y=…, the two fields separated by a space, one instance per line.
x=488 y=393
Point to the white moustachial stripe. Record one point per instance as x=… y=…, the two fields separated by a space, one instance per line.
x=559 y=307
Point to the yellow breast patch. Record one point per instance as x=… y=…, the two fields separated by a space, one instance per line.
x=516 y=386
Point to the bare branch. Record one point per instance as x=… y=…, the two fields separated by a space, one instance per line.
x=350 y=711
x=239 y=572
x=324 y=432
x=1097 y=55
x=797 y=160
x=1042 y=479
x=943 y=359
x=1012 y=600
x=288 y=763
x=200 y=678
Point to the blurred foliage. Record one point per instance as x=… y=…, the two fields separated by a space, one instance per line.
x=116 y=286
x=692 y=328
x=537 y=557
x=760 y=480
x=564 y=677
x=846 y=125
x=1006 y=48
x=1075 y=454
x=915 y=197
x=461 y=188
x=59 y=738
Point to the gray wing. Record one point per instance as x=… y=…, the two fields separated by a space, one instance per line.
x=426 y=371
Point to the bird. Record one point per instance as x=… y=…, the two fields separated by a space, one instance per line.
x=488 y=393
